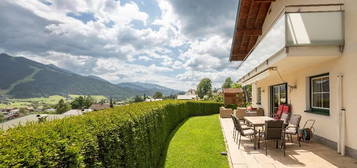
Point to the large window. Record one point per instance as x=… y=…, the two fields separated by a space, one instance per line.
x=279 y=95
x=320 y=94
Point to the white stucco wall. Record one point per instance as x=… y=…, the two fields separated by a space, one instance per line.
x=326 y=126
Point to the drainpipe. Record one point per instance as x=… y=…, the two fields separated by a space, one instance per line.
x=341 y=117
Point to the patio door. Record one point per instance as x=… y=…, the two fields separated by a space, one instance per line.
x=278 y=96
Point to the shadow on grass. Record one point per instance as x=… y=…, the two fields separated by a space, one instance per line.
x=172 y=134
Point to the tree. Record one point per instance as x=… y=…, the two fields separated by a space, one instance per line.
x=204 y=88
x=82 y=102
x=248 y=93
x=227 y=83
x=2 y=117
x=236 y=85
x=23 y=111
x=111 y=102
x=62 y=107
x=88 y=101
x=102 y=101
x=157 y=95
x=138 y=99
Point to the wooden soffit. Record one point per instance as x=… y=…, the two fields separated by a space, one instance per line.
x=250 y=18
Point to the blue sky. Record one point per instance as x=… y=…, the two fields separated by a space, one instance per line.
x=174 y=43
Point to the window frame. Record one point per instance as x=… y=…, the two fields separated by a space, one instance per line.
x=319 y=110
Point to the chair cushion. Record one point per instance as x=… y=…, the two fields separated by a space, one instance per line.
x=291 y=125
x=244 y=127
x=290 y=130
x=248 y=132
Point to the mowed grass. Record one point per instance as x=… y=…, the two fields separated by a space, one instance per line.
x=197 y=143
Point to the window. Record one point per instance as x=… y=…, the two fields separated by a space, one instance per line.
x=259 y=96
x=320 y=94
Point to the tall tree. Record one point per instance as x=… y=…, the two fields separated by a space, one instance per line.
x=2 y=117
x=111 y=104
x=204 y=88
x=236 y=85
x=248 y=93
x=157 y=95
x=138 y=99
x=82 y=102
x=227 y=83
x=62 y=107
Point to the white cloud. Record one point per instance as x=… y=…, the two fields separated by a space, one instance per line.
x=179 y=47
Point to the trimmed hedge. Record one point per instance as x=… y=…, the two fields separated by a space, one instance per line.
x=128 y=136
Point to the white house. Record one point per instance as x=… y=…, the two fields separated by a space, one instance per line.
x=306 y=52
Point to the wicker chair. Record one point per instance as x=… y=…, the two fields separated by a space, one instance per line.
x=274 y=130
x=225 y=112
x=243 y=126
x=293 y=127
x=248 y=132
x=260 y=112
x=240 y=113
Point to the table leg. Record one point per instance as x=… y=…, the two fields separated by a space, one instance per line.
x=259 y=139
x=255 y=139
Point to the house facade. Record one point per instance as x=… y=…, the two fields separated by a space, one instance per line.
x=302 y=53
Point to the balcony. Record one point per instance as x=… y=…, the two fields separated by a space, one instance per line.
x=296 y=39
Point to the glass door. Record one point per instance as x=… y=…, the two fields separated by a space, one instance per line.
x=279 y=95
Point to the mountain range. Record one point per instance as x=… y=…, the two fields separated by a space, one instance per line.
x=24 y=78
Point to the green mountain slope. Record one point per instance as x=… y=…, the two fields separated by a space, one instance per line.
x=24 y=78
x=148 y=88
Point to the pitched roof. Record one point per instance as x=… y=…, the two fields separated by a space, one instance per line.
x=232 y=90
x=99 y=106
x=251 y=15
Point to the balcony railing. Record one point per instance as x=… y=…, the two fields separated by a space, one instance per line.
x=297 y=29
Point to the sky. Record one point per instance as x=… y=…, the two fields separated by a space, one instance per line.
x=174 y=43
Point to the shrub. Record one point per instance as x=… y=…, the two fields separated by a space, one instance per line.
x=127 y=136
x=232 y=106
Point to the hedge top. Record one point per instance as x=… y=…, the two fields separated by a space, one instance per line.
x=126 y=136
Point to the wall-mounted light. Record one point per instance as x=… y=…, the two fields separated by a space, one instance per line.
x=292 y=86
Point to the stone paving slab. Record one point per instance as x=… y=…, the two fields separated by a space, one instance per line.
x=311 y=155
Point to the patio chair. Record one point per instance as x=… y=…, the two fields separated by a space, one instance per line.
x=278 y=113
x=274 y=130
x=246 y=132
x=293 y=127
x=242 y=125
x=240 y=113
x=285 y=117
x=260 y=112
x=281 y=109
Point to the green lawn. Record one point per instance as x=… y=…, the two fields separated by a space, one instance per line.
x=197 y=143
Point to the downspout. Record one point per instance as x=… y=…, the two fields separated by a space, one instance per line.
x=341 y=118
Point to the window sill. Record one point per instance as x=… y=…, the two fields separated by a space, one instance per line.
x=319 y=112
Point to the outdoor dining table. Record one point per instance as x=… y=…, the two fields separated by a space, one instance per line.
x=257 y=121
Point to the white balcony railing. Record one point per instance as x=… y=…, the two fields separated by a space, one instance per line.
x=295 y=29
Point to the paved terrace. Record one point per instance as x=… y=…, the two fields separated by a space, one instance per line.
x=311 y=154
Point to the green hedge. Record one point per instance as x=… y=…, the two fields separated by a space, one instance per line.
x=128 y=136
